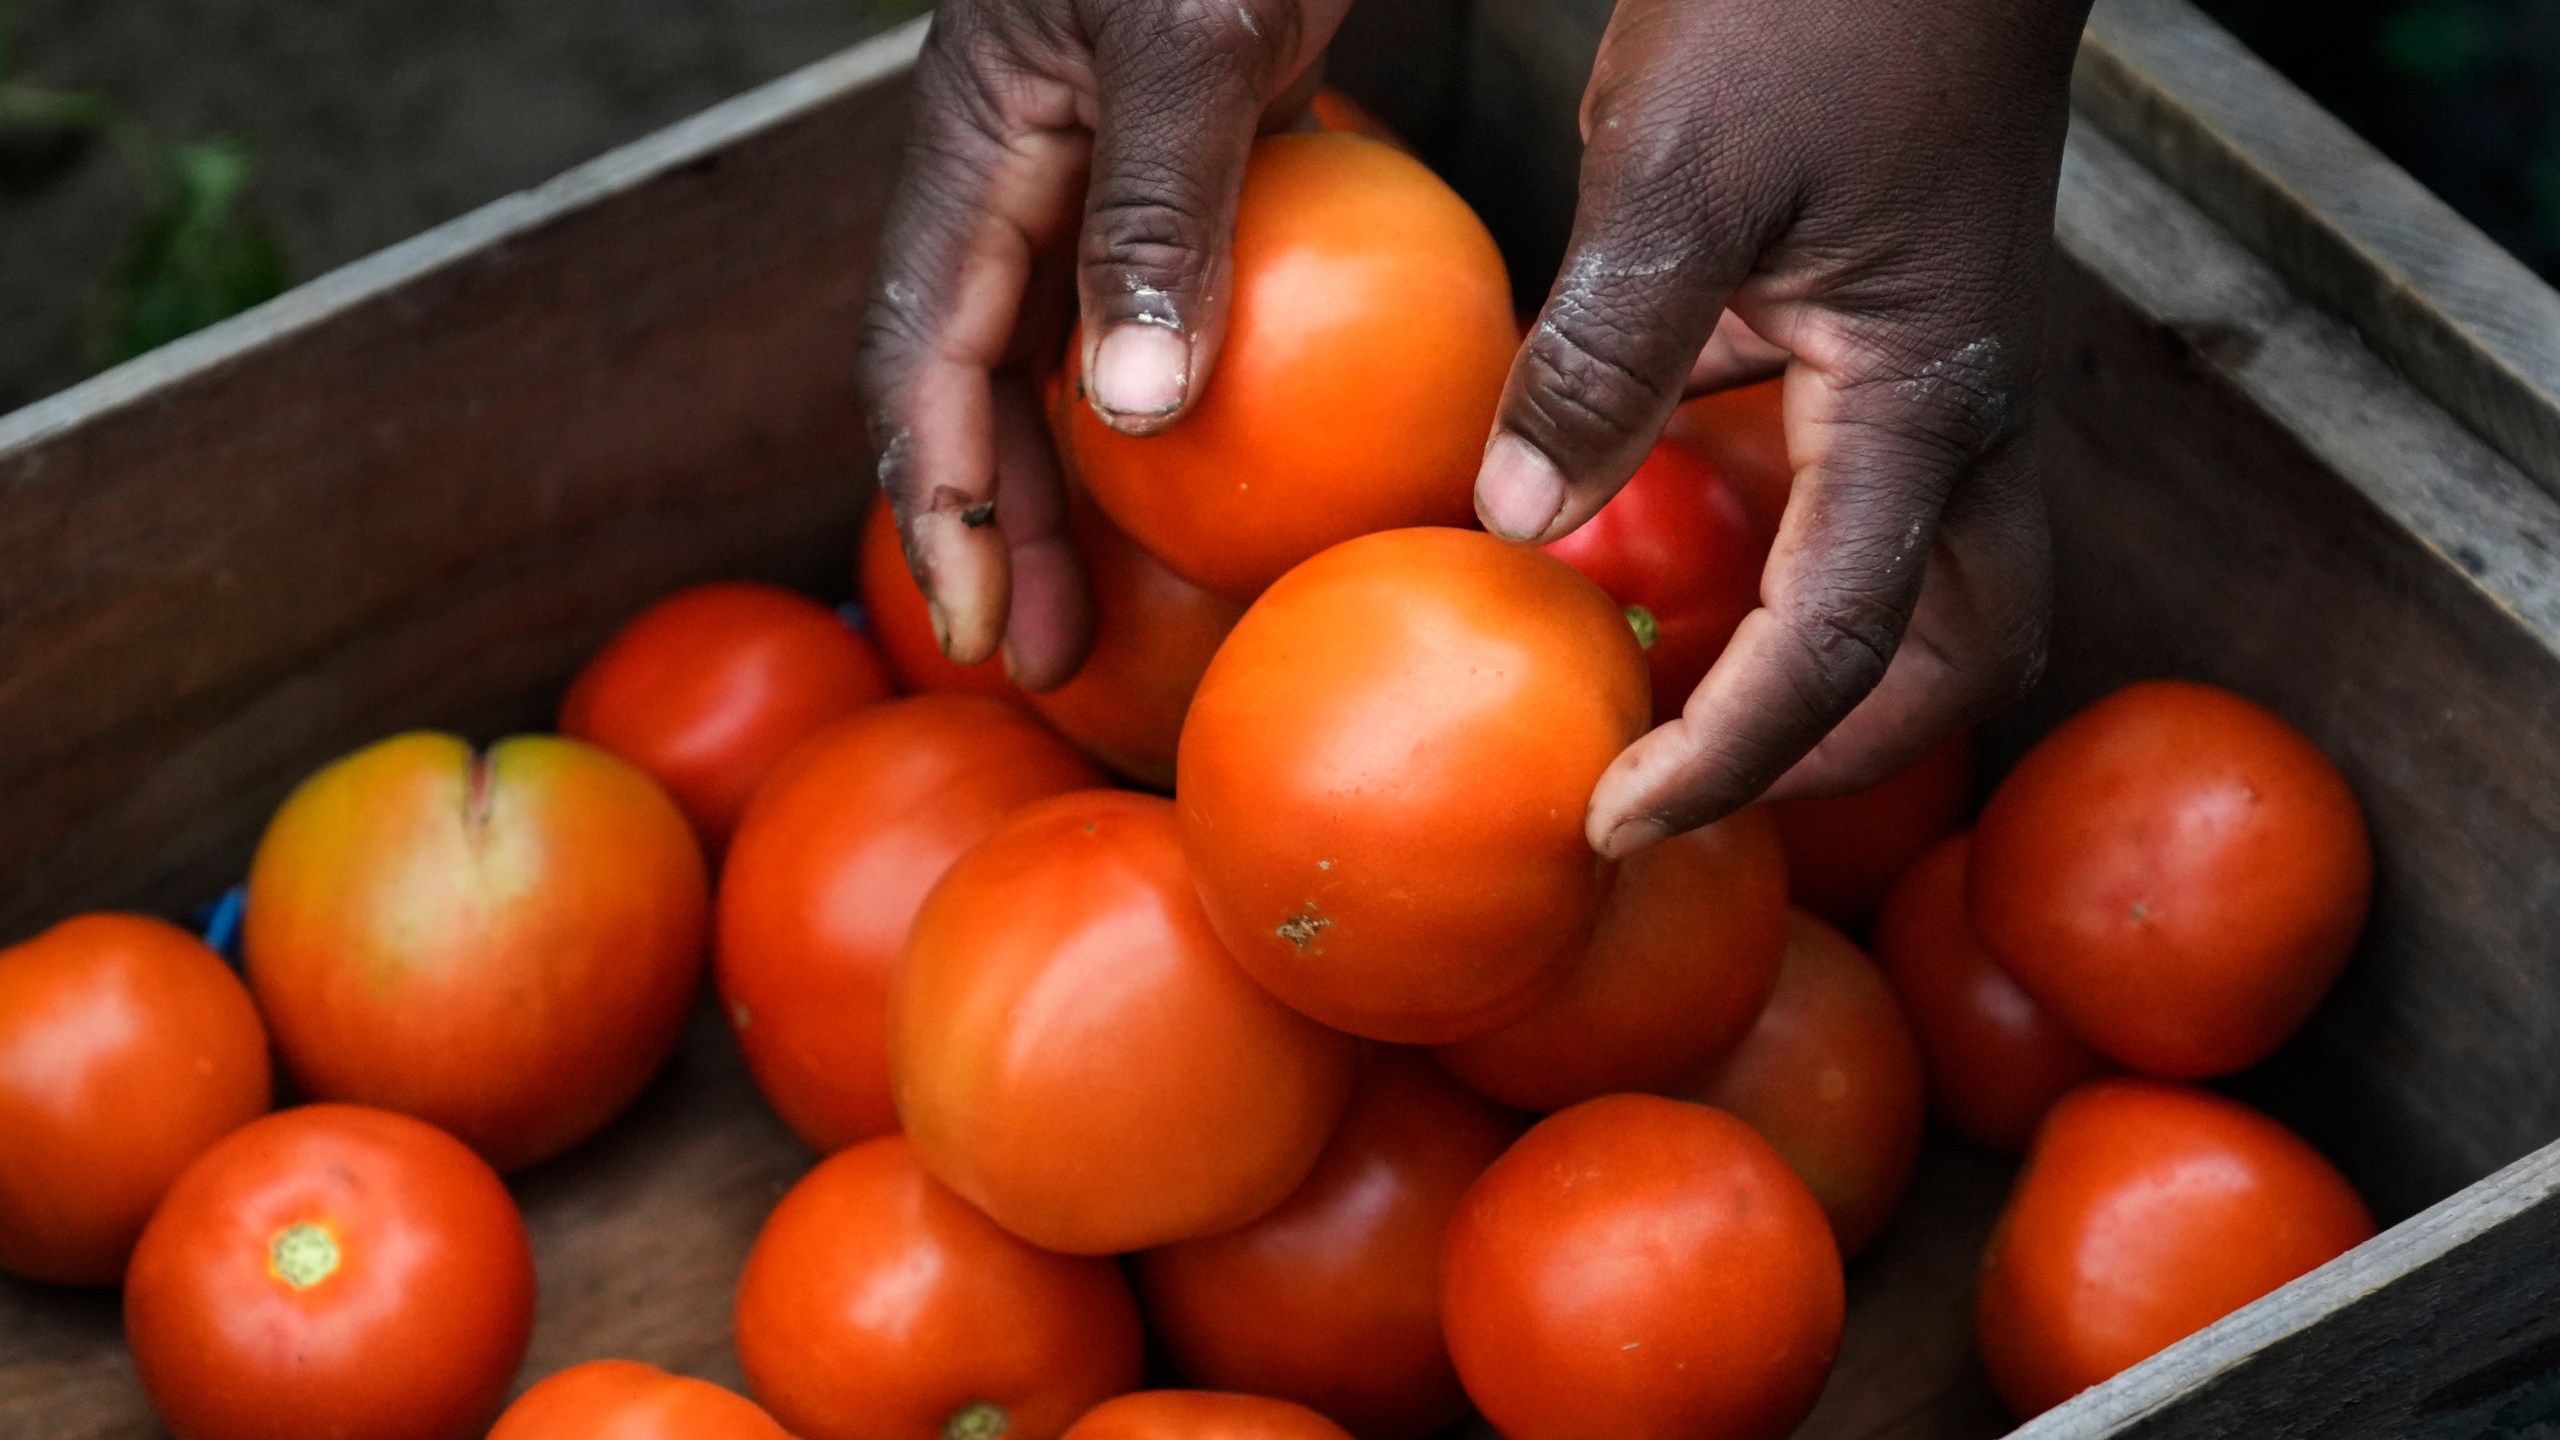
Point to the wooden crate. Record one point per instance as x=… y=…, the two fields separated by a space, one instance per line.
x=2303 y=440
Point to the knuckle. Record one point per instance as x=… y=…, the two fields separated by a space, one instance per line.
x=1589 y=383
x=1847 y=640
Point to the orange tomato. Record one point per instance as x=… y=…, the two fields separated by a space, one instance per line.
x=709 y=687
x=902 y=627
x=1333 y=110
x=2177 y=874
x=332 y=1270
x=1202 y=1415
x=126 y=1049
x=1368 y=337
x=2146 y=1212
x=1384 y=776
x=834 y=855
x=877 y=1305
x=1074 y=1052
x=502 y=944
x=1832 y=1076
x=1996 y=1060
x=1743 y=433
x=1681 y=962
x=1641 y=1266
x=625 y=1400
x=1333 y=1298
x=1845 y=851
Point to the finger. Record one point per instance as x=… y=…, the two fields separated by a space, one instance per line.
x=1734 y=355
x=1049 y=622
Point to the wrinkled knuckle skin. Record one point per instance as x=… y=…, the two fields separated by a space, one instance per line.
x=1848 y=638
x=1584 y=393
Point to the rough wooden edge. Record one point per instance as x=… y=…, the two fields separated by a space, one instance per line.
x=2463 y=319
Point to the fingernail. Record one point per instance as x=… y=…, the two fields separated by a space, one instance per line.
x=1632 y=836
x=1518 y=493
x=1141 y=370
x=941 y=625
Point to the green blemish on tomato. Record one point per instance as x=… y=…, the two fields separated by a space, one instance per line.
x=302 y=1255
x=978 y=1420
x=1646 y=627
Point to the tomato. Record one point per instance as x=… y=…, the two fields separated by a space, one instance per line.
x=1203 y=1415
x=901 y=626
x=2177 y=874
x=1368 y=337
x=1681 y=962
x=329 y=1271
x=1831 y=1075
x=710 y=686
x=1333 y=110
x=835 y=854
x=503 y=944
x=1333 y=1299
x=126 y=1048
x=625 y=1400
x=1678 y=548
x=1074 y=1052
x=1384 y=776
x=2146 y=1212
x=1996 y=1060
x=1845 y=851
x=1743 y=433
x=1641 y=1266
x=877 y=1305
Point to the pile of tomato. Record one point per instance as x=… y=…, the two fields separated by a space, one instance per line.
x=1319 y=1066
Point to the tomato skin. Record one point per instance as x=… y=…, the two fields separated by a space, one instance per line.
x=2147 y=1211
x=1074 y=1052
x=502 y=945
x=1845 y=851
x=1681 y=962
x=1831 y=1075
x=878 y=1305
x=1679 y=543
x=706 y=689
x=1384 y=776
x=413 y=1317
x=901 y=626
x=625 y=1400
x=1642 y=1266
x=830 y=864
x=1333 y=110
x=2177 y=874
x=1332 y=1299
x=1996 y=1060
x=1203 y=1415
x=1743 y=433
x=1368 y=338
x=127 y=1048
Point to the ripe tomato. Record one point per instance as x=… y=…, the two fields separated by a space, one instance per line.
x=1743 y=433
x=877 y=1305
x=1333 y=110
x=1384 y=776
x=2177 y=874
x=835 y=854
x=1074 y=1052
x=1641 y=1266
x=1845 y=851
x=1333 y=1299
x=2146 y=1212
x=901 y=626
x=1996 y=1060
x=501 y=944
x=710 y=686
x=1367 y=342
x=126 y=1048
x=331 y=1270
x=1203 y=1415
x=625 y=1400
x=1680 y=551
x=1681 y=962
x=1832 y=1076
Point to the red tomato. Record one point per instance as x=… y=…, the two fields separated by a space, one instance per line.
x=1074 y=1052
x=625 y=1400
x=1681 y=962
x=901 y=626
x=1384 y=777
x=877 y=1305
x=2147 y=1211
x=1203 y=1415
x=1678 y=548
x=1368 y=337
x=331 y=1271
x=834 y=856
x=1333 y=1299
x=1832 y=1076
x=1640 y=1266
x=2177 y=874
x=710 y=686
x=1333 y=110
x=502 y=944
x=1996 y=1060
x=1845 y=851
x=1743 y=433
x=126 y=1049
